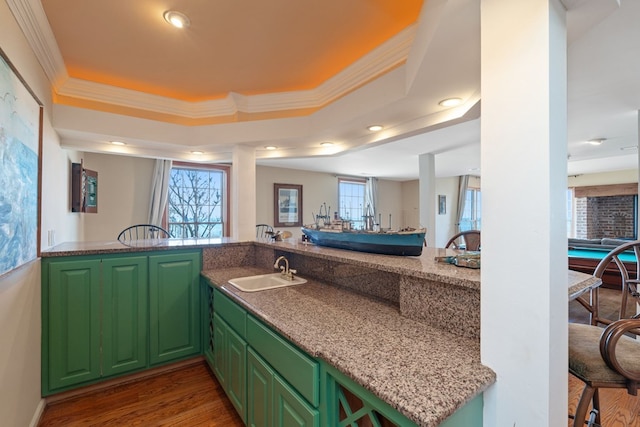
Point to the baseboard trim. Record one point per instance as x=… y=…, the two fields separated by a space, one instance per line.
x=35 y=420
x=66 y=395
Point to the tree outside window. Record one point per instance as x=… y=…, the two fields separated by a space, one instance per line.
x=196 y=203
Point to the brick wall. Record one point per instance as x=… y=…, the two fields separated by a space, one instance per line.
x=611 y=216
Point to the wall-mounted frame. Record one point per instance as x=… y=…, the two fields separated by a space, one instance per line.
x=287 y=209
x=442 y=204
x=20 y=173
x=84 y=189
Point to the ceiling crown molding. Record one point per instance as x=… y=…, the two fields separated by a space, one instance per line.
x=34 y=24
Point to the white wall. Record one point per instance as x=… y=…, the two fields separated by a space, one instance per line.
x=20 y=401
x=124 y=189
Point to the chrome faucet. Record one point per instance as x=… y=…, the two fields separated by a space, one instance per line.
x=287 y=273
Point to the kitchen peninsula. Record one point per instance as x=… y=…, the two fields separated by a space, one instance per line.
x=405 y=329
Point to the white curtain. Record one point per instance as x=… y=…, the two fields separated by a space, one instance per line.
x=371 y=197
x=462 y=199
x=159 y=191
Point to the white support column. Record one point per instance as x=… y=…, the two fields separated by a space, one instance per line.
x=427 y=189
x=243 y=193
x=524 y=303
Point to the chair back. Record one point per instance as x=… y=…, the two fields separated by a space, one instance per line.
x=143 y=232
x=264 y=230
x=470 y=239
x=629 y=274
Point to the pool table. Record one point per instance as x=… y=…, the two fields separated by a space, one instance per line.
x=585 y=260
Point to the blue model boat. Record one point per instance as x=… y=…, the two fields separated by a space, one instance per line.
x=405 y=243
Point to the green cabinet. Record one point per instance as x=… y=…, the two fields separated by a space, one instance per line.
x=71 y=333
x=268 y=380
x=97 y=319
x=124 y=315
x=174 y=306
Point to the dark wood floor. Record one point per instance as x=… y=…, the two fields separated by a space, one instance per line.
x=190 y=396
x=619 y=409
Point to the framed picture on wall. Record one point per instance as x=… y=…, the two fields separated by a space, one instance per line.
x=442 y=204
x=287 y=205
x=20 y=173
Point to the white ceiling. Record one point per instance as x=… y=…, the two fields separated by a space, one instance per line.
x=398 y=85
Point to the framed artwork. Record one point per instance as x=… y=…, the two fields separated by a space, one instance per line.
x=442 y=204
x=84 y=189
x=287 y=205
x=20 y=169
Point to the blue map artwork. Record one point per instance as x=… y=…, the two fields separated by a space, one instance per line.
x=19 y=127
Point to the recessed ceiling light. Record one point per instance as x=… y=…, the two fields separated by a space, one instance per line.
x=631 y=147
x=596 y=141
x=197 y=152
x=118 y=143
x=450 y=102
x=326 y=144
x=177 y=19
x=270 y=147
x=375 y=128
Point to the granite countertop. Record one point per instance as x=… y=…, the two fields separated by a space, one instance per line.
x=114 y=246
x=424 y=372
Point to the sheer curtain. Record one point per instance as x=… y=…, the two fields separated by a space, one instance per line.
x=462 y=199
x=159 y=191
x=371 y=196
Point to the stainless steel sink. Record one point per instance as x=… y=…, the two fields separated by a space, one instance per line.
x=264 y=281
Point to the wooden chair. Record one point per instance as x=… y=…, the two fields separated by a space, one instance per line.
x=606 y=357
x=470 y=239
x=143 y=232
x=263 y=231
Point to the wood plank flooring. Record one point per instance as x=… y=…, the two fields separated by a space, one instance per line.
x=190 y=396
x=619 y=409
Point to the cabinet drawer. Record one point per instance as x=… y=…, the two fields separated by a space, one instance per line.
x=235 y=316
x=298 y=369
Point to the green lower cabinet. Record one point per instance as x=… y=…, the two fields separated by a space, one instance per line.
x=71 y=333
x=237 y=372
x=124 y=315
x=174 y=306
x=259 y=391
x=291 y=410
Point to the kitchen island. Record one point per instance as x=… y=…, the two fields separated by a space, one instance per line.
x=404 y=328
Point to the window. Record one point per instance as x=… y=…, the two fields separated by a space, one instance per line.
x=351 y=201
x=197 y=203
x=471 y=217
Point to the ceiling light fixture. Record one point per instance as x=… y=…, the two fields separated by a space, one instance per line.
x=326 y=144
x=596 y=141
x=270 y=147
x=197 y=152
x=118 y=143
x=375 y=128
x=450 y=102
x=631 y=147
x=177 y=19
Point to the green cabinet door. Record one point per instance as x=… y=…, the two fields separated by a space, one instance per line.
x=220 y=350
x=174 y=310
x=259 y=391
x=237 y=372
x=71 y=332
x=290 y=409
x=124 y=314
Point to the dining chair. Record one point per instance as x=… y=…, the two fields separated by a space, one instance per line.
x=143 y=232
x=468 y=240
x=264 y=230
x=606 y=357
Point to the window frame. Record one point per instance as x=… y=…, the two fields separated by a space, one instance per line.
x=353 y=180
x=226 y=199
